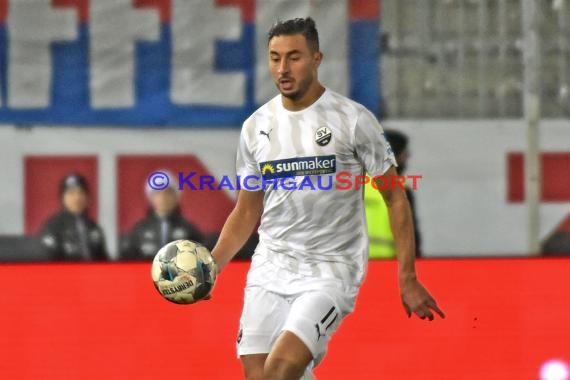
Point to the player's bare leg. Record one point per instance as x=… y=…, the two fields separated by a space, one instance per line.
x=288 y=358
x=253 y=366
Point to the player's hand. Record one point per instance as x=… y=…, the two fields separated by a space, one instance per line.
x=217 y=271
x=417 y=300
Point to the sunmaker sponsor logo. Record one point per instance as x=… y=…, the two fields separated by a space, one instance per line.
x=298 y=166
x=338 y=181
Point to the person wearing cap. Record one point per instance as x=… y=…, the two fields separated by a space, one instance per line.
x=164 y=223
x=71 y=235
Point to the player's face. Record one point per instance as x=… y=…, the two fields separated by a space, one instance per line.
x=293 y=65
x=164 y=202
x=75 y=200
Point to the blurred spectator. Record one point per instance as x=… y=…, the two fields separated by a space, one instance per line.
x=379 y=230
x=164 y=223
x=71 y=234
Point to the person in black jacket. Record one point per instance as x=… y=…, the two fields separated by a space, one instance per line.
x=164 y=223
x=70 y=234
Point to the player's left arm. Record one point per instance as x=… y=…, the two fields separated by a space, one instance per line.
x=415 y=297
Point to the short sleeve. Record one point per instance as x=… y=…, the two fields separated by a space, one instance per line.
x=371 y=145
x=246 y=166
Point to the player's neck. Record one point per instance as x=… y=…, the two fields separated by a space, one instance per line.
x=314 y=92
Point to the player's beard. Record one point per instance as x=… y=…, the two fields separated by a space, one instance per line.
x=302 y=88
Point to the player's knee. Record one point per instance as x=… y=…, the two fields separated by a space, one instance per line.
x=277 y=368
x=254 y=375
x=253 y=372
x=253 y=366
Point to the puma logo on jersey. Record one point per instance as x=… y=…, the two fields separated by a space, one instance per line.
x=266 y=134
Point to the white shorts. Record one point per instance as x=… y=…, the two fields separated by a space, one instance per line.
x=311 y=308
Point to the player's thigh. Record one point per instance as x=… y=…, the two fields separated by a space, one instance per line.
x=289 y=358
x=253 y=366
x=263 y=316
x=313 y=318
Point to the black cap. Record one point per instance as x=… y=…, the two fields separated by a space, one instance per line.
x=73 y=180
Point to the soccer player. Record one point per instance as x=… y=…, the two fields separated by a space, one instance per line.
x=312 y=255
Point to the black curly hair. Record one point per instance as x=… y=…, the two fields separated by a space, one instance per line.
x=304 y=26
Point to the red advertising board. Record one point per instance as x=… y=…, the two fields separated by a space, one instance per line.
x=506 y=318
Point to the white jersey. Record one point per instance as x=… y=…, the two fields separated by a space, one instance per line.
x=309 y=226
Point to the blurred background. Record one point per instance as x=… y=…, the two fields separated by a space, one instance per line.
x=96 y=95
x=116 y=104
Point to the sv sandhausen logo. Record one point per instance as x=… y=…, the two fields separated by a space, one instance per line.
x=298 y=166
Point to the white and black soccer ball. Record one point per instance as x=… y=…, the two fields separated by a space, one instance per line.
x=184 y=271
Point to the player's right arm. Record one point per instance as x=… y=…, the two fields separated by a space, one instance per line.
x=238 y=226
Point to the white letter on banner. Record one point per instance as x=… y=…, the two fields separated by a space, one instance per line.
x=113 y=30
x=196 y=25
x=32 y=26
x=331 y=17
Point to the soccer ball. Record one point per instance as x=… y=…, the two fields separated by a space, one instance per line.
x=184 y=271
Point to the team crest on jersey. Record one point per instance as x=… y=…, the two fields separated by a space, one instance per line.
x=298 y=166
x=323 y=136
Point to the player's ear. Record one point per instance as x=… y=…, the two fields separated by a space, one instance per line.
x=317 y=59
